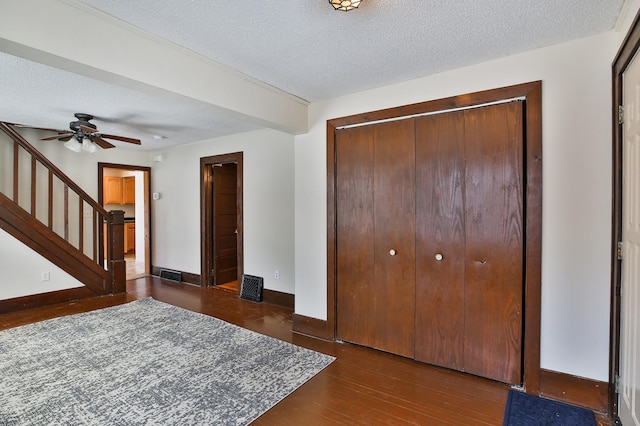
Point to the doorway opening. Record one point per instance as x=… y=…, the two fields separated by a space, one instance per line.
x=125 y=187
x=221 y=221
x=625 y=257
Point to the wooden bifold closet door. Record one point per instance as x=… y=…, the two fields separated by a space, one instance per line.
x=377 y=215
x=430 y=239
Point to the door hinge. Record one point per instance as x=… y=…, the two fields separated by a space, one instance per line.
x=620 y=114
x=213 y=273
x=616 y=383
x=619 y=253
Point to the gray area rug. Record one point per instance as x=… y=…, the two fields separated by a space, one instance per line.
x=145 y=363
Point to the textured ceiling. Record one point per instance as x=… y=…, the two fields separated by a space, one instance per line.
x=302 y=48
x=308 y=49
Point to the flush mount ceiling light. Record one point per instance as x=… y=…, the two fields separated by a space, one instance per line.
x=345 y=5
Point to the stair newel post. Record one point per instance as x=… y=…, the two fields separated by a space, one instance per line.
x=117 y=264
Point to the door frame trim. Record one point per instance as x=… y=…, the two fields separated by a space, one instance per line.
x=147 y=201
x=206 y=214
x=625 y=55
x=532 y=94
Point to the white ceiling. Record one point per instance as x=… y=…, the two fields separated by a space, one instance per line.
x=301 y=48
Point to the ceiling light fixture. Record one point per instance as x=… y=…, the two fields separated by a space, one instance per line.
x=73 y=145
x=89 y=146
x=345 y=5
x=81 y=143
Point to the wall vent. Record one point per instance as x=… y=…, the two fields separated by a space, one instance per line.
x=251 y=288
x=168 y=274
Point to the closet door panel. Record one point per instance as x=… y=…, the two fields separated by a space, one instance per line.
x=440 y=245
x=356 y=320
x=494 y=241
x=394 y=224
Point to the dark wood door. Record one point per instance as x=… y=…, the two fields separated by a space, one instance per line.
x=470 y=241
x=376 y=236
x=494 y=241
x=225 y=223
x=430 y=242
x=440 y=240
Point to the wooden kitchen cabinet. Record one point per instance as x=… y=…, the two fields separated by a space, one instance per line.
x=129 y=190
x=130 y=237
x=119 y=190
x=112 y=190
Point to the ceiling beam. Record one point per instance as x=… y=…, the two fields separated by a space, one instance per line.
x=73 y=37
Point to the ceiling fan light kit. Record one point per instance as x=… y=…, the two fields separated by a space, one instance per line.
x=73 y=145
x=84 y=144
x=345 y=5
x=89 y=146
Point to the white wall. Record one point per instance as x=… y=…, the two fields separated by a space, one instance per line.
x=268 y=205
x=268 y=200
x=24 y=280
x=576 y=109
x=22 y=270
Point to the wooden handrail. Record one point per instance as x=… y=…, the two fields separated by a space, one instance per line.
x=106 y=248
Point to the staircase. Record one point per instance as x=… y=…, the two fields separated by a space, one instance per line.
x=44 y=209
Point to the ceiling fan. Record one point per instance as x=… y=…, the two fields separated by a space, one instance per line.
x=83 y=136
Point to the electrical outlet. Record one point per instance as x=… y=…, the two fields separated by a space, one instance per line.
x=276 y=274
x=46 y=276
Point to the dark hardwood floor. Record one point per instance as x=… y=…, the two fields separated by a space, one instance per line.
x=231 y=285
x=362 y=386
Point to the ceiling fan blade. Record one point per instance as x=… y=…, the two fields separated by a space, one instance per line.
x=120 y=138
x=101 y=142
x=24 y=126
x=58 y=136
x=94 y=133
x=88 y=130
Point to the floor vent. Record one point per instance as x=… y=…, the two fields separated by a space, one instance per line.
x=251 y=288
x=168 y=274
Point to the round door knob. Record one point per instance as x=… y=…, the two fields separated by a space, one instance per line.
x=438 y=257
x=392 y=252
